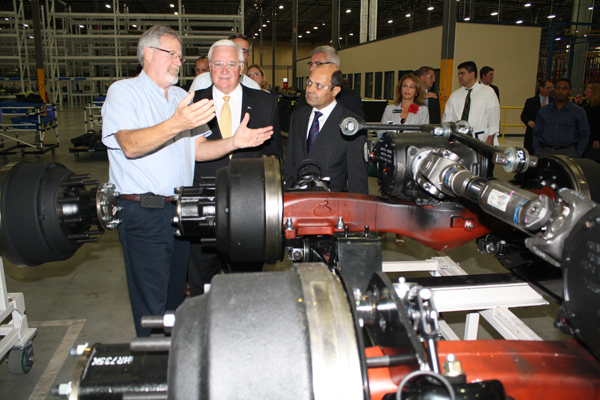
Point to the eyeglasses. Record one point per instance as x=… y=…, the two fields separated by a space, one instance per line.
x=223 y=65
x=255 y=74
x=317 y=63
x=319 y=86
x=172 y=54
x=429 y=76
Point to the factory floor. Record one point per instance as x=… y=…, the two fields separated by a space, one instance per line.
x=85 y=299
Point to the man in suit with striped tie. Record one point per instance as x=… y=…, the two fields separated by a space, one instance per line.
x=315 y=135
x=233 y=101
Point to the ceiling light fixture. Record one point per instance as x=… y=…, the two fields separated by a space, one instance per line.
x=107 y=5
x=408 y=15
x=430 y=8
x=520 y=21
x=557 y=39
x=348 y=11
x=591 y=8
x=172 y=5
x=390 y=21
x=307 y=32
x=551 y=15
x=176 y=13
x=81 y=26
x=299 y=36
x=494 y=13
x=467 y=18
x=281 y=7
x=134 y=26
x=351 y=34
x=527 y=5
x=315 y=27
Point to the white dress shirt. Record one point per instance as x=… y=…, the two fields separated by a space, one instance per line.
x=204 y=80
x=326 y=113
x=235 y=104
x=484 y=114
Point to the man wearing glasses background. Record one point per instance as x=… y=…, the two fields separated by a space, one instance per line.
x=154 y=136
x=427 y=75
x=204 y=80
x=327 y=55
x=232 y=102
x=315 y=135
x=531 y=108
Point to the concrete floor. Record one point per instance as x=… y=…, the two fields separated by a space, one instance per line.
x=85 y=298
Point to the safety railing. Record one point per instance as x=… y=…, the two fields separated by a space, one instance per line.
x=504 y=125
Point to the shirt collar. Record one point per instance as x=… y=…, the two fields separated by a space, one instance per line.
x=326 y=110
x=218 y=95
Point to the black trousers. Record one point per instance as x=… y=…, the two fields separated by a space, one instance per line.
x=155 y=260
x=206 y=262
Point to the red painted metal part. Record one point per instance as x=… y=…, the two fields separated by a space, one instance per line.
x=440 y=228
x=544 y=370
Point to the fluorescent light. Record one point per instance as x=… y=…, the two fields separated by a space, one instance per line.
x=467 y=18
x=527 y=5
x=265 y=25
x=341 y=38
x=172 y=5
x=281 y=7
x=591 y=8
x=134 y=26
x=520 y=21
x=307 y=32
x=551 y=16
x=315 y=27
x=299 y=36
x=176 y=13
x=430 y=8
x=408 y=15
x=81 y=26
x=390 y=21
x=348 y=11
x=107 y=5
x=494 y=13
x=25 y=25
x=557 y=39
x=351 y=34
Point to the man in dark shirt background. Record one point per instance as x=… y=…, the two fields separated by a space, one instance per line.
x=561 y=128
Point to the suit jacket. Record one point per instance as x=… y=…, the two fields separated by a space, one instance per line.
x=347 y=98
x=340 y=157
x=529 y=113
x=435 y=112
x=263 y=110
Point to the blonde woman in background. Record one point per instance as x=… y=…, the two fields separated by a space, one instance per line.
x=256 y=73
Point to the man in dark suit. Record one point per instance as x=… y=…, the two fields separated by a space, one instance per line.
x=315 y=134
x=531 y=108
x=346 y=97
x=232 y=102
x=486 y=76
x=427 y=76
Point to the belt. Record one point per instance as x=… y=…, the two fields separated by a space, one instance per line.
x=543 y=145
x=148 y=200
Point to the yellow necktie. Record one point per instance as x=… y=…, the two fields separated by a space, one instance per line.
x=225 y=121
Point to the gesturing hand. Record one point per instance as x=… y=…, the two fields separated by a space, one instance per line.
x=247 y=137
x=189 y=116
x=430 y=95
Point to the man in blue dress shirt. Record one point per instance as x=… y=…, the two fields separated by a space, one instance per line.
x=561 y=128
x=154 y=136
